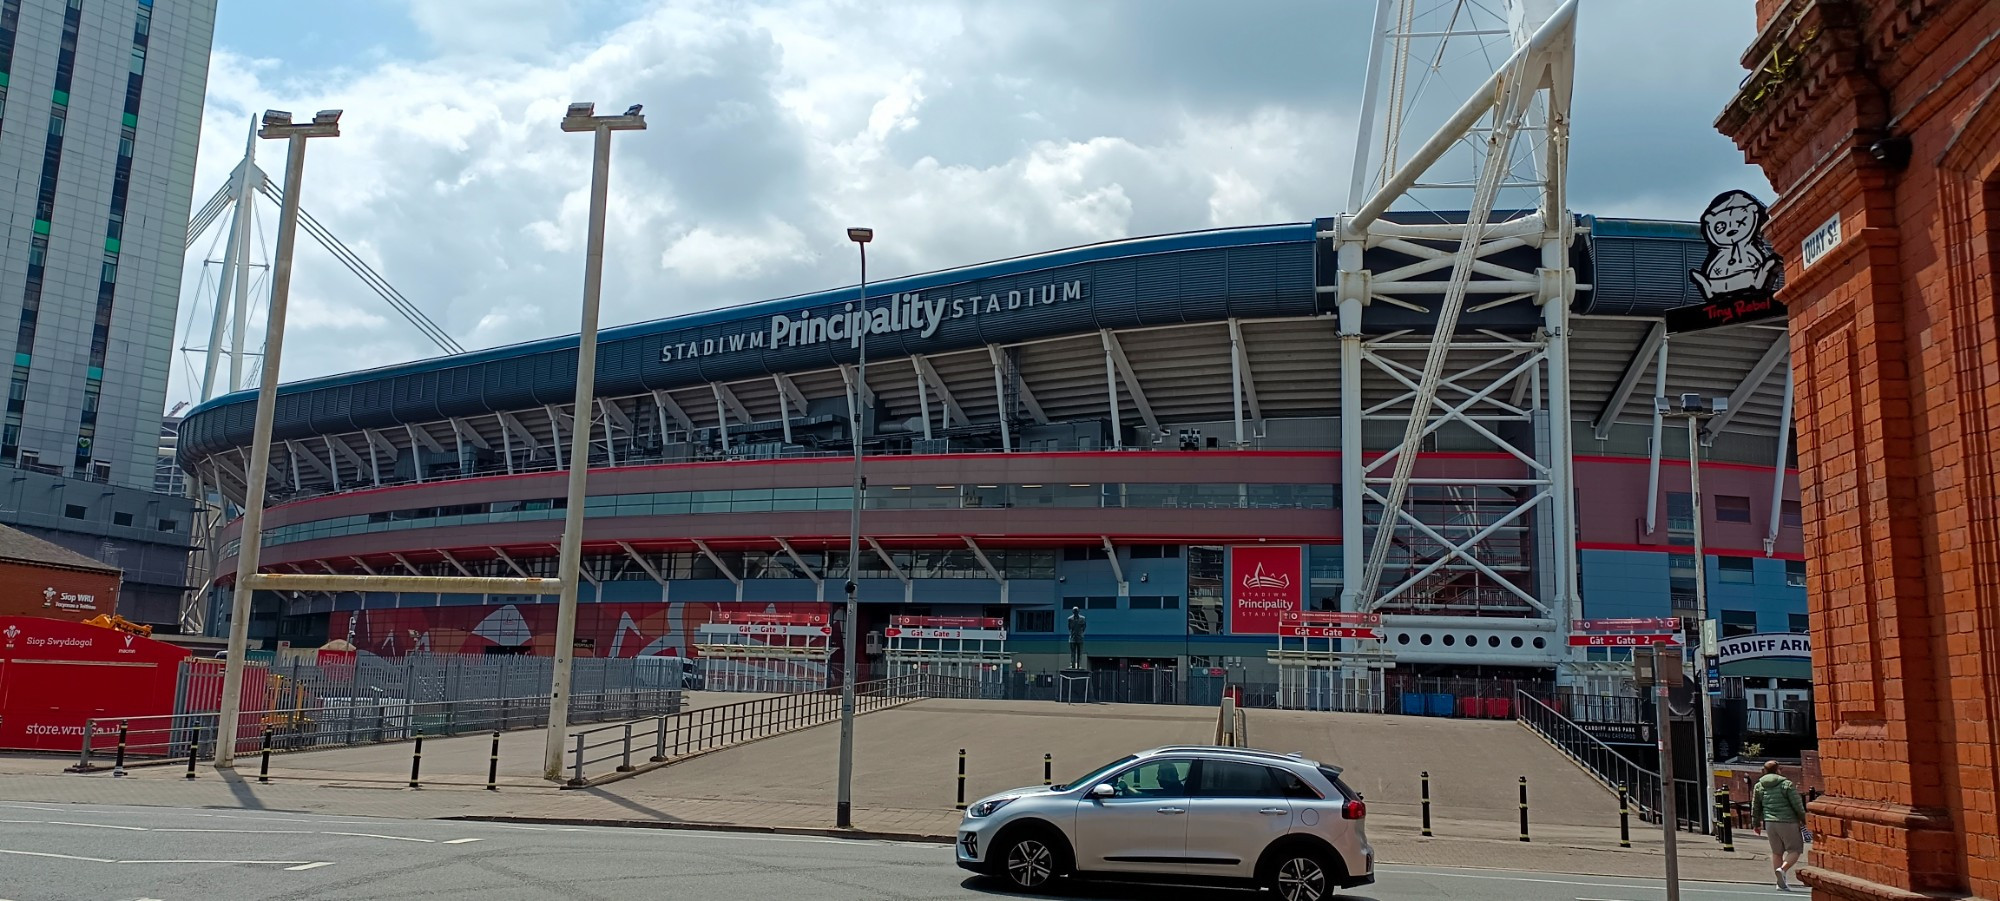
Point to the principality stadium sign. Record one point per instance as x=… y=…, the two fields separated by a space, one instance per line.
x=900 y=313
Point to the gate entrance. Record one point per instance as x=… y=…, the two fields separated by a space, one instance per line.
x=1316 y=673
x=972 y=648
x=769 y=652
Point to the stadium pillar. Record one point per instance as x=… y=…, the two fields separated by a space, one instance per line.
x=277 y=124
x=580 y=118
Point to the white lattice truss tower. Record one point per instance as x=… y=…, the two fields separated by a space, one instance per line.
x=1512 y=132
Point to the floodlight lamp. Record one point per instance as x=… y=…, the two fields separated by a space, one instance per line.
x=861 y=235
x=277 y=118
x=1690 y=403
x=326 y=117
x=1720 y=405
x=1662 y=406
x=582 y=109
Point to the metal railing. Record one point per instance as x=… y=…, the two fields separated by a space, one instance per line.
x=1776 y=722
x=346 y=722
x=1605 y=764
x=669 y=737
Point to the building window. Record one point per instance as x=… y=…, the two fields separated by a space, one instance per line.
x=1735 y=569
x=1795 y=573
x=1034 y=620
x=1798 y=623
x=170 y=525
x=1155 y=551
x=1788 y=514
x=73 y=511
x=1680 y=563
x=1737 y=622
x=1073 y=603
x=1680 y=513
x=121 y=519
x=1102 y=602
x=1155 y=602
x=1732 y=508
x=1087 y=552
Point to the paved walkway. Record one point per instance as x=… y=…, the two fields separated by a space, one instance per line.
x=906 y=778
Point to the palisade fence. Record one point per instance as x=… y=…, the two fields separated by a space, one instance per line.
x=1605 y=764
x=417 y=679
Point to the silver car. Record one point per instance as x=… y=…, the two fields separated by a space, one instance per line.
x=1180 y=814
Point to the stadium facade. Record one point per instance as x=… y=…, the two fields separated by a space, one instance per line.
x=1148 y=430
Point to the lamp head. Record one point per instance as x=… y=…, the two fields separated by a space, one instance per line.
x=581 y=109
x=277 y=117
x=1662 y=405
x=861 y=235
x=326 y=117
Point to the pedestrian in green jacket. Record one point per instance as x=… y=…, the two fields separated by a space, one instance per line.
x=1779 y=813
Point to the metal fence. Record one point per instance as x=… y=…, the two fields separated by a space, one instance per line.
x=1607 y=765
x=671 y=736
x=420 y=679
x=344 y=722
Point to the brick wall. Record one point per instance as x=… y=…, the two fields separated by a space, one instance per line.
x=1898 y=375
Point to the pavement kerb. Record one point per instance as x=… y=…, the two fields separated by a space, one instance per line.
x=818 y=832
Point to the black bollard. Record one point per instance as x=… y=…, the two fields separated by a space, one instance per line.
x=118 y=765
x=194 y=748
x=1624 y=817
x=417 y=759
x=1427 y=803
x=961 y=778
x=264 y=765
x=493 y=766
x=1524 y=808
x=1724 y=830
x=1048 y=767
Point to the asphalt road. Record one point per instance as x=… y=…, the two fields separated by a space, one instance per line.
x=50 y=852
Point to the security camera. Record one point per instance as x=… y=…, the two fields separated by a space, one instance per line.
x=852 y=586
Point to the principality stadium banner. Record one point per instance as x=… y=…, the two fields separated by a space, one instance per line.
x=1265 y=583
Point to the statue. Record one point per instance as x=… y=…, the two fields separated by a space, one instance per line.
x=1076 y=626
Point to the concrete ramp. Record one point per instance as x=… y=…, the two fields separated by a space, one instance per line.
x=1475 y=765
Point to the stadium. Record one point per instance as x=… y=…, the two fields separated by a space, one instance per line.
x=1182 y=436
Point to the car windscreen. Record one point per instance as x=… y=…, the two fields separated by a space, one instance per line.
x=1098 y=774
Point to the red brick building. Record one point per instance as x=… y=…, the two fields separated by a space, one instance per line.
x=1879 y=125
x=39 y=578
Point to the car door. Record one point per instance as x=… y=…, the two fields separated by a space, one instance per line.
x=1235 y=811
x=1142 y=826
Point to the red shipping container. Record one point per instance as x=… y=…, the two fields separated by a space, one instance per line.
x=55 y=675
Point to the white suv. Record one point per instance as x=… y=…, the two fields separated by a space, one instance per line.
x=1180 y=814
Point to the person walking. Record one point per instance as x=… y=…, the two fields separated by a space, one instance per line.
x=1779 y=814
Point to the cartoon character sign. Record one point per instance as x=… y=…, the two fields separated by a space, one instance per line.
x=1740 y=264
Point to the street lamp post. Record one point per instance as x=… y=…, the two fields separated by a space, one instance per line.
x=843 y=810
x=581 y=117
x=278 y=125
x=1697 y=410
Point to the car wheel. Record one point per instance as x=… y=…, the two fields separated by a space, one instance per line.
x=1030 y=861
x=1300 y=875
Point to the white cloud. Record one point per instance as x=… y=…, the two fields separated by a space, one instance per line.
x=961 y=130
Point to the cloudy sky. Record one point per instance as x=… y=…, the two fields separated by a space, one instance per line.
x=961 y=130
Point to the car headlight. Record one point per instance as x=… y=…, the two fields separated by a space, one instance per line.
x=986 y=808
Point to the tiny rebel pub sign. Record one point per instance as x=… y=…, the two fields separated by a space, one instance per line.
x=1740 y=277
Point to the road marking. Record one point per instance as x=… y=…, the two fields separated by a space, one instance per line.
x=268 y=863
x=463 y=841
x=26 y=807
x=98 y=826
x=392 y=838
x=58 y=856
x=1710 y=891
x=311 y=866
x=523 y=828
